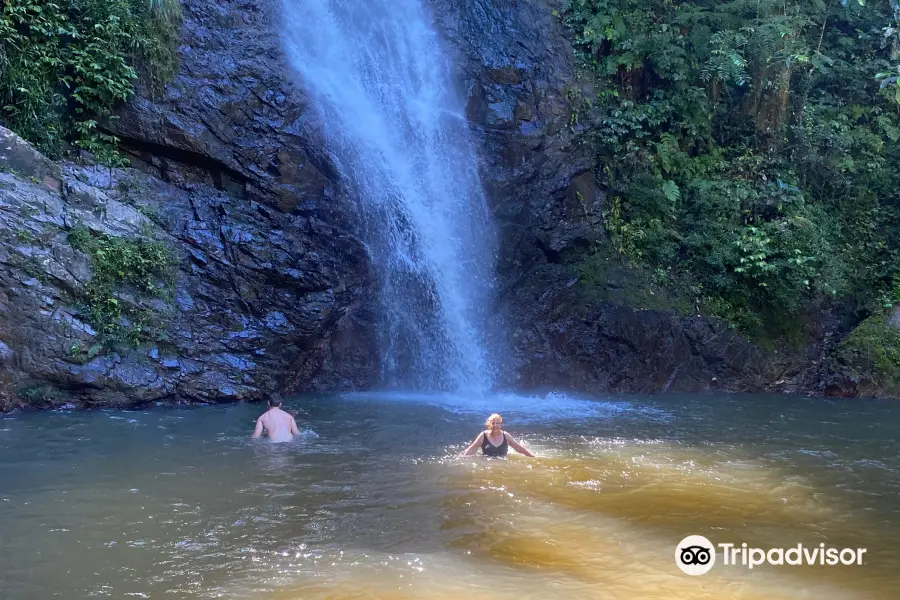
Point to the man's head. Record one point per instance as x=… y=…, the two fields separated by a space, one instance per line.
x=275 y=401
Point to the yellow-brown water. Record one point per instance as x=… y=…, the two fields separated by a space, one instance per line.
x=371 y=501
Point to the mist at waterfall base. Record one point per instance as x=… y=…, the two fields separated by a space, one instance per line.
x=395 y=127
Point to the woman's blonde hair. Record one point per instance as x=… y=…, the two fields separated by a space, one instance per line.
x=491 y=419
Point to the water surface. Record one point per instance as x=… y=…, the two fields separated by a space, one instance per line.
x=371 y=502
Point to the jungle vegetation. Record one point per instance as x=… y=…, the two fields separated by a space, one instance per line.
x=751 y=149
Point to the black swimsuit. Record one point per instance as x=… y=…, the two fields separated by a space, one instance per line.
x=488 y=449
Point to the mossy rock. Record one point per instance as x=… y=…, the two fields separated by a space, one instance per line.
x=607 y=276
x=870 y=357
x=20 y=158
x=127 y=275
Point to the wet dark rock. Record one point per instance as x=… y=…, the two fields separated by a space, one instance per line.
x=18 y=157
x=256 y=294
x=233 y=117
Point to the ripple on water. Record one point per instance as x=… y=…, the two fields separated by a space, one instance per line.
x=375 y=505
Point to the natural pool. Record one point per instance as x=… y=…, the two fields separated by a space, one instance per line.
x=371 y=501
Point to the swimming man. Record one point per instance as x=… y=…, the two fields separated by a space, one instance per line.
x=279 y=425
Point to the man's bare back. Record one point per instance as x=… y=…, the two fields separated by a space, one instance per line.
x=278 y=425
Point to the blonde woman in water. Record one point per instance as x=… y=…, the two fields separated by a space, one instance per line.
x=494 y=441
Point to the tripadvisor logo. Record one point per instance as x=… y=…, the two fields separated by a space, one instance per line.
x=696 y=555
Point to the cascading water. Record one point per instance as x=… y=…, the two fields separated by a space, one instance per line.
x=376 y=72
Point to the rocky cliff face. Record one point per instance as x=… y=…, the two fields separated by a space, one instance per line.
x=255 y=294
x=272 y=288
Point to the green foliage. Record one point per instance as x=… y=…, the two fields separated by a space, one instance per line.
x=120 y=265
x=37 y=395
x=66 y=64
x=607 y=277
x=749 y=147
x=873 y=350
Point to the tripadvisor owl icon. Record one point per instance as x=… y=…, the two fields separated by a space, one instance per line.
x=695 y=555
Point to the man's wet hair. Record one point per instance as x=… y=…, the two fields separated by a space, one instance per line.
x=275 y=400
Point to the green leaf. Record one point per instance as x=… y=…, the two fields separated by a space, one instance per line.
x=671 y=191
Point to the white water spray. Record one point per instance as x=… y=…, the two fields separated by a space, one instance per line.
x=375 y=71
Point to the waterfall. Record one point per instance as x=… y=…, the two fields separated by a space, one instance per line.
x=394 y=126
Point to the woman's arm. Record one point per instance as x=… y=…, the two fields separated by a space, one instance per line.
x=517 y=446
x=473 y=447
